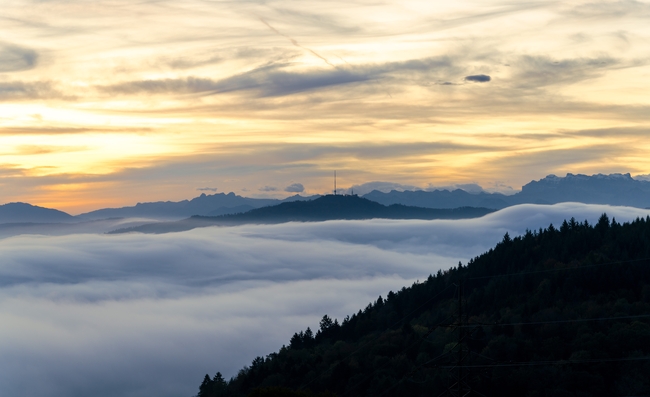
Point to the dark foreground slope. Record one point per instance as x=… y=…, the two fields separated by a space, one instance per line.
x=556 y=312
x=321 y=209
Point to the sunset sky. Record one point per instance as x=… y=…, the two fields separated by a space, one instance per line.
x=111 y=102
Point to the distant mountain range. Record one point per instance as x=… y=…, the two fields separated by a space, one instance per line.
x=27 y=213
x=613 y=189
x=208 y=205
x=324 y=208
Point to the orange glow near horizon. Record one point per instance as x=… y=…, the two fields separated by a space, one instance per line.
x=136 y=102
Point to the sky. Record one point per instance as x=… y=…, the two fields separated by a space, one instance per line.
x=136 y=315
x=112 y=102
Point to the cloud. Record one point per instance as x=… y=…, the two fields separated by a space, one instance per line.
x=277 y=79
x=380 y=186
x=628 y=132
x=18 y=90
x=143 y=315
x=185 y=63
x=46 y=149
x=268 y=189
x=295 y=43
x=478 y=78
x=295 y=188
x=163 y=86
x=268 y=80
x=50 y=130
x=610 y=9
x=537 y=71
x=468 y=187
x=390 y=67
x=16 y=59
x=207 y=189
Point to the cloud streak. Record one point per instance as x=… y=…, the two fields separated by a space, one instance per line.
x=295 y=188
x=16 y=59
x=294 y=42
x=23 y=91
x=278 y=79
x=478 y=78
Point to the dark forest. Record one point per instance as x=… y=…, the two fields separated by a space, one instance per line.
x=555 y=312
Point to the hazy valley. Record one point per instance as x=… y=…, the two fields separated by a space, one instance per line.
x=174 y=306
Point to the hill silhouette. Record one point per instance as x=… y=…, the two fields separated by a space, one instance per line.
x=324 y=208
x=441 y=198
x=209 y=205
x=613 y=189
x=555 y=312
x=24 y=213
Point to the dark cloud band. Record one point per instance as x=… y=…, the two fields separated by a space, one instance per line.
x=16 y=59
x=478 y=78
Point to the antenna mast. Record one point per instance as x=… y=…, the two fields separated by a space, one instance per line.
x=335 y=183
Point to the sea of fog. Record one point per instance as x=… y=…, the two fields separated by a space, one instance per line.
x=139 y=315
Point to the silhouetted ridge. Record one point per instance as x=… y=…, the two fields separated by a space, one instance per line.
x=209 y=205
x=612 y=189
x=346 y=207
x=556 y=312
x=23 y=213
x=324 y=208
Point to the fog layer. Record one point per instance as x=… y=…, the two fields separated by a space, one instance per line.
x=144 y=315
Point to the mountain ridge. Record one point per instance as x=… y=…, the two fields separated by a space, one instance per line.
x=324 y=208
x=217 y=204
x=19 y=212
x=612 y=189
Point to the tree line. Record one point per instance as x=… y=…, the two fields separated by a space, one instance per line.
x=555 y=312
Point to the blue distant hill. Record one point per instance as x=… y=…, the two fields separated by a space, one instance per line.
x=324 y=208
x=24 y=213
x=208 y=205
x=613 y=189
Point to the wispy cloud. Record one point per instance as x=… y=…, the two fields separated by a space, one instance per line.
x=46 y=149
x=51 y=130
x=279 y=79
x=193 y=77
x=611 y=9
x=16 y=59
x=23 y=91
x=294 y=42
x=295 y=188
x=541 y=71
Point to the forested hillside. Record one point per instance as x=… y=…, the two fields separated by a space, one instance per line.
x=556 y=312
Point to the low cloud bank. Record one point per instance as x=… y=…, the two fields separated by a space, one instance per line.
x=142 y=315
x=295 y=188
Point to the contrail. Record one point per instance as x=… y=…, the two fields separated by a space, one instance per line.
x=294 y=42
